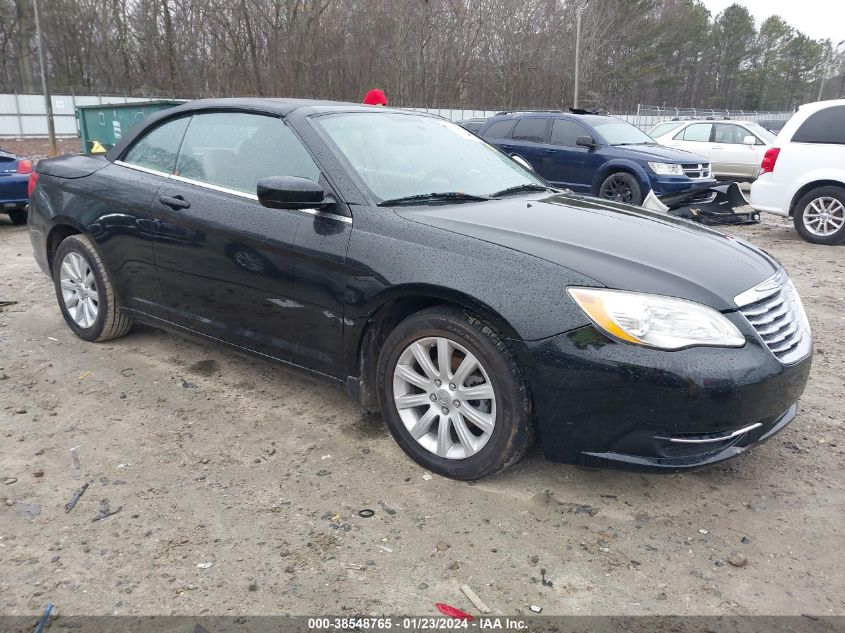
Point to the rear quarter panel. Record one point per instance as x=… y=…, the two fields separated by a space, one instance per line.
x=800 y=164
x=110 y=205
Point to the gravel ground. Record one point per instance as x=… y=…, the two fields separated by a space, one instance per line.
x=237 y=485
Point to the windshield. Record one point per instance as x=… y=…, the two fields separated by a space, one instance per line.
x=767 y=137
x=618 y=132
x=662 y=128
x=402 y=155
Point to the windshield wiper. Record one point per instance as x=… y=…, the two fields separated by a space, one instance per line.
x=447 y=196
x=519 y=189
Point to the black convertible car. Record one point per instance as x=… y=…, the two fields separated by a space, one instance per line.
x=432 y=277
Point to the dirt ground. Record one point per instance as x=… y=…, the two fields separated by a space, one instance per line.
x=37 y=148
x=237 y=486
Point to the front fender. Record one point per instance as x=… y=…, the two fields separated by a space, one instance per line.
x=390 y=256
x=620 y=164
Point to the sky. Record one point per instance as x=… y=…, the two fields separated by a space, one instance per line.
x=816 y=18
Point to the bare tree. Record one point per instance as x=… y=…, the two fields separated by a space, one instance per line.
x=478 y=53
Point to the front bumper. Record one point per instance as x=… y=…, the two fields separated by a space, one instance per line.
x=608 y=404
x=662 y=185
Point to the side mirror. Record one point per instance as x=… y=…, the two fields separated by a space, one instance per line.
x=519 y=159
x=585 y=141
x=290 y=192
x=749 y=140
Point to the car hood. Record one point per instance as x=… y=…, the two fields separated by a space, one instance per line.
x=619 y=246
x=658 y=153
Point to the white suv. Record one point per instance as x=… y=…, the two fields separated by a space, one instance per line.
x=803 y=174
x=735 y=148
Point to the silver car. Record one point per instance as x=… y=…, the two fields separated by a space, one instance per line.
x=735 y=148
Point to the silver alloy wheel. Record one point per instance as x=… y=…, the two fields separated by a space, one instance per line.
x=79 y=290
x=824 y=216
x=444 y=397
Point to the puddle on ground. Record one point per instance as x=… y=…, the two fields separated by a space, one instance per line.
x=205 y=367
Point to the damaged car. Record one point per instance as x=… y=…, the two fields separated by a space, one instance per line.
x=399 y=257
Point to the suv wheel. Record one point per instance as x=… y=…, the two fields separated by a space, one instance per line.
x=621 y=187
x=819 y=215
x=453 y=395
x=85 y=292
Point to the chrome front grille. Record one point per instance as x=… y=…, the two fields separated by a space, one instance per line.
x=775 y=311
x=696 y=171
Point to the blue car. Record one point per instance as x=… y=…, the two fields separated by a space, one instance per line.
x=599 y=155
x=14 y=180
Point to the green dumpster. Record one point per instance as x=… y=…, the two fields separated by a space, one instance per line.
x=103 y=125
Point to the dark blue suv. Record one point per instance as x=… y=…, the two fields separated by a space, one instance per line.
x=599 y=155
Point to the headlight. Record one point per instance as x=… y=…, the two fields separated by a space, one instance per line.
x=656 y=321
x=666 y=169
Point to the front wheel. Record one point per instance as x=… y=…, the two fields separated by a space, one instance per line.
x=453 y=395
x=819 y=216
x=621 y=187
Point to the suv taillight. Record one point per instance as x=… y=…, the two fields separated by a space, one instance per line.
x=769 y=160
x=30 y=187
x=24 y=166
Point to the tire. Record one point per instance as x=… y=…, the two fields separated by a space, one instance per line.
x=621 y=186
x=75 y=258
x=18 y=216
x=476 y=451
x=807 y=215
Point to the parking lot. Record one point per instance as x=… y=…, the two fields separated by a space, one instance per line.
x=236 y=487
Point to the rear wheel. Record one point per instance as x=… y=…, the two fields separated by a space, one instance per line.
x=18 y=217
x=819 y=216
x=453 y=395
x=85 y=293
x=621 y=187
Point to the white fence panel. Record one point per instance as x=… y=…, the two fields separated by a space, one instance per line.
x=25 y=115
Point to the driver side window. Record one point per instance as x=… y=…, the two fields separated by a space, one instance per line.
x=235 y=150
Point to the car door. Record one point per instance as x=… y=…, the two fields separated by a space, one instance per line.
x=499 y=134
x=567 y=164
x=530 y=139
x=729 y=155
x=695 y=138
x=228 y=265
x=123 y=227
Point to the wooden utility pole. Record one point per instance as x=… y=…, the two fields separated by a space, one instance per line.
x=48 y=102
x=578 y=11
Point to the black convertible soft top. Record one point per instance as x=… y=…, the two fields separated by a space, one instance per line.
x=281 y=107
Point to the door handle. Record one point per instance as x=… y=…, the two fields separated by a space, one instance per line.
x=174 y=202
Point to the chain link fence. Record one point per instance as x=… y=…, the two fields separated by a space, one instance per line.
x=647 y=116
